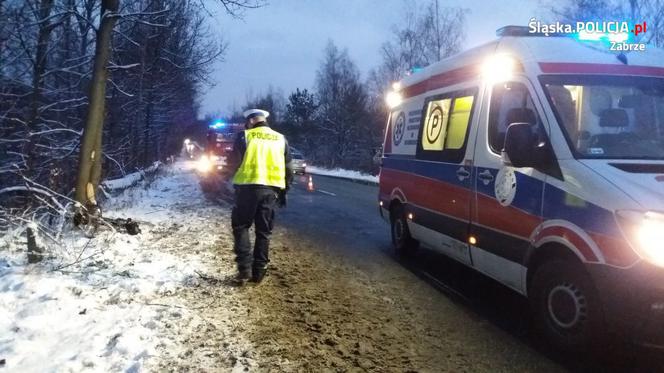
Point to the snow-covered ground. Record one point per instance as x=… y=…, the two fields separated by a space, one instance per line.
x=340 y=172
x=113 y=303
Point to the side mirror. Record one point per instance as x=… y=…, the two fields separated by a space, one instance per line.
x=521 y=146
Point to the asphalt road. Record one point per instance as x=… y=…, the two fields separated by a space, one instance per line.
x=343 y=217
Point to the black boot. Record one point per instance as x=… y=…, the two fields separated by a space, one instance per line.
x=241 y=278
x=258 y=275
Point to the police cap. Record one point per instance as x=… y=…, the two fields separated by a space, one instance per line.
x=251 y=113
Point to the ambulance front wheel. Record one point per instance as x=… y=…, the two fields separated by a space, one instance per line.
x=403 y=242
x=566 y=306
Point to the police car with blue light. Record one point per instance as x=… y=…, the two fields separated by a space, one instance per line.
x=212 y=165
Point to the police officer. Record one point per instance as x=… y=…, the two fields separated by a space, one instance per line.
x=262 y=178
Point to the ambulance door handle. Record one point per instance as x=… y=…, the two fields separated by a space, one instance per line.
x=486 y=177
x=462 y=174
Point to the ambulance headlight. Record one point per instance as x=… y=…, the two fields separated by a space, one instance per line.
x=645 y=232
x=393 y=99
x=499 y=68
x=204 y=164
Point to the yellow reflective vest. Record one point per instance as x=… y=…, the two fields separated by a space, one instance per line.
x=264 y=161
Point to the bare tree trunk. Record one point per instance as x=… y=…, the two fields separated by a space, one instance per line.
x=3 y=38
x=35 y=252
x=95 y=173
x=38 y=69
x=85 y=27
x=89 y=168
x=147 y=132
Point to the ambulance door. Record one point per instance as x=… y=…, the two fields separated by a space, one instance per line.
x=441 y=206
x=508 y=201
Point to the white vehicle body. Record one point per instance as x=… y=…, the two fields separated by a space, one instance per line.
x=599 y=124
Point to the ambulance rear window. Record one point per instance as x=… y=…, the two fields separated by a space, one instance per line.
x=443 y=135
x=459 y=119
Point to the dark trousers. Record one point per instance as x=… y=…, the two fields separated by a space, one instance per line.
x=253 y=205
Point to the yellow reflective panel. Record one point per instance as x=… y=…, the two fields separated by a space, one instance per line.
x=433 y=134
x=456 y=131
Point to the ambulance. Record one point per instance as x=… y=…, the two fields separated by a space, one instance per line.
x=539 y=162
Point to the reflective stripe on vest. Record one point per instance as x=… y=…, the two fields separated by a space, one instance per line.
x=264 y=162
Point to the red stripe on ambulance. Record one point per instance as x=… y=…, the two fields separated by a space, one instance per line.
x=442 y=80
x=599 y=69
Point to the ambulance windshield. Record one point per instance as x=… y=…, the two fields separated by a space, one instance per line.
x=612 y=117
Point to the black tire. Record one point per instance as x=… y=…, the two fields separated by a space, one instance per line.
x=566 y=307
x=404 y=244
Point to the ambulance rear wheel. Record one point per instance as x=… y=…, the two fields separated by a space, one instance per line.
x=566 y=306
x=404 y=244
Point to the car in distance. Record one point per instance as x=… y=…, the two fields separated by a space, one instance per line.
x=298 y=162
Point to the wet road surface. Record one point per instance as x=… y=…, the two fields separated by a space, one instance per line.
x=342 y=218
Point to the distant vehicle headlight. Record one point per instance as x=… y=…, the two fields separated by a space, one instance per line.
x=204 y=164
x=304 y=164
x=645 y=232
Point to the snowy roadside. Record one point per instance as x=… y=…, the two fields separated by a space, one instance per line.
x=116 y=302
x=343 y=174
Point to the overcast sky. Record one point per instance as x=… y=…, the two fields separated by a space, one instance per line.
x=282 y=43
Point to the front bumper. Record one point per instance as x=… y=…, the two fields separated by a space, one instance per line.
x=299 y=170
x=633 y=300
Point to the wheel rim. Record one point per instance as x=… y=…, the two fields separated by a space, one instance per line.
x=567 y=307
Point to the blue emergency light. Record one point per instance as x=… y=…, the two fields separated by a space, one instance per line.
x=618 y=37
x=218 y=124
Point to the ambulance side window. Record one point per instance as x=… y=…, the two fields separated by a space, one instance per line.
x=444 y=133
x=510 y=103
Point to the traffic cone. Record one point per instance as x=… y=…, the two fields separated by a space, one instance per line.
x=310 y=184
